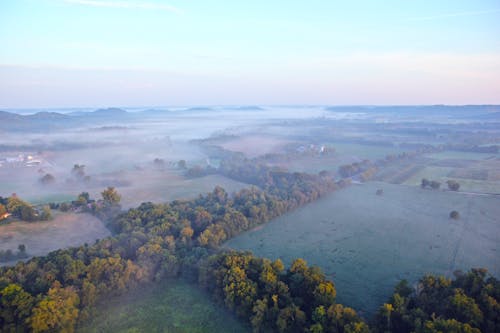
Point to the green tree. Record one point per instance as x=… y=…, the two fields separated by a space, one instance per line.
x=56 y=312
x=111 y=197
x=15 y=307
x=3 y=211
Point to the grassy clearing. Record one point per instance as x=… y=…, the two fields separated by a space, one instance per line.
x=442 y=174
x=64 y=230
x=366 y=243
x=169 y=307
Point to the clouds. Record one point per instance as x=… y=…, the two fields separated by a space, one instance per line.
x=125 y=5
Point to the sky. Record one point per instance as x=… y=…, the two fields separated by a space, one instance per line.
x=98 y=53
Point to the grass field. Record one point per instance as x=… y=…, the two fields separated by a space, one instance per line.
x=169 y=307
x=64 y=230
x=162 y=188
x=442 y=174
x=367 y=243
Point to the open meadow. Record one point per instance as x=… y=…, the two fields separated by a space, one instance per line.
x=366 y=242
x=172 y=306
x=64 y=230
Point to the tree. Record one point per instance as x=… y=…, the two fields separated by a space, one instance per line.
x=182 y=164
x=57 y=311
x=15 y=307
x=453 y=185
x=22 y=251
x=78 y=171
x=111 y=197
x=46 y=213
x=83 y=198
x=435 y=185
x=47 y=179
x=28 y=213
x=425 y=183
x=3 y=211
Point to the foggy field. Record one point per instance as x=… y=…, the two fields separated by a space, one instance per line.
x=64 y=230
x=442 y=174
x=253 y=146
x=367 y=243
x=160 y=189
x=361 y=152
x=169 y=307
x=461 y=155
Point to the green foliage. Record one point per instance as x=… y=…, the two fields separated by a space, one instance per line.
x=111 y=197
x=467 y=304
x=3 y=210
x=272 y=299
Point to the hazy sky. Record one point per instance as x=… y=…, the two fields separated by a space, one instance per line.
x=60 y=53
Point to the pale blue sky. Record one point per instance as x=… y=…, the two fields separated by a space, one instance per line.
x=153 y=52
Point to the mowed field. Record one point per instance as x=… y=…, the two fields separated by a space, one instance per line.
x=367 y=243
x=173 y=306
x=64 y=230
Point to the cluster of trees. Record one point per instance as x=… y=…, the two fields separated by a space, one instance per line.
x=275 y=299
x=9 y=255
x=468 y=304
x=349 y=170
x=47 y=179
x=453 y=185
x=78 y=173
x=295 y=188
x=103 y=208
x=22 y=210
x=433 y=184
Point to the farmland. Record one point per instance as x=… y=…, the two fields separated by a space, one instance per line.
x=366 y=243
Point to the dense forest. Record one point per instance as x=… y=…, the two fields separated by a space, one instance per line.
x=182 y=239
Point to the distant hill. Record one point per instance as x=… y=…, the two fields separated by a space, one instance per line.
x=414 y=108
x=249 y=108
x=109 y=112
x=153 y=112
x=33 y=122
x=7 y=116
x=199 y=108
x=43 y=121
x=47 y=116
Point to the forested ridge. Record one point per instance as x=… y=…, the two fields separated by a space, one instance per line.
x=182 y=239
